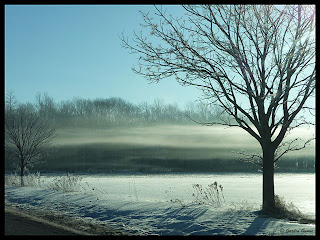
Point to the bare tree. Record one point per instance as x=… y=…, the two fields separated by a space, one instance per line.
x=10 y=101
x=256 y=62
x=27 y=138
x=45 y=105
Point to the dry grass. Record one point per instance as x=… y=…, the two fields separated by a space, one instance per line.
x=69 y=183
x=284 y=210
x=211 y=195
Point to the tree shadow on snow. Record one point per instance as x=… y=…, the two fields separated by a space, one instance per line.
x=259 y=224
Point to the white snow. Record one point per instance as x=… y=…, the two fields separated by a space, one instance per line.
x=163 y=204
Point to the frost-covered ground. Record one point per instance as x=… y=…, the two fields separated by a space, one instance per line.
x=163 y=204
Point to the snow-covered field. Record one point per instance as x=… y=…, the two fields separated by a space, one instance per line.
x=163 y=204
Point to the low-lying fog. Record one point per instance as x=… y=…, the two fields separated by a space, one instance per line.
x=220 y=139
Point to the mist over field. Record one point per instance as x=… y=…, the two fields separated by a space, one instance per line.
x=165 y=148
x=112 y=135
x=220 y=140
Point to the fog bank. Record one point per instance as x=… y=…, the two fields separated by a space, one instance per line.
x=221 y=140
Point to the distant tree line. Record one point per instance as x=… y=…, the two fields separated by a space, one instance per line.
x=114 y=111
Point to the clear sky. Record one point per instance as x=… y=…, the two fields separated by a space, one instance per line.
x=74 y=51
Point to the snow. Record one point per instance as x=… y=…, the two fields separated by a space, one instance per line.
x=162 y=204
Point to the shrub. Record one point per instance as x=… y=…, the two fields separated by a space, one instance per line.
x=69 y=183
x=30 y=180
x=210 y=195
x=11 y=180
x=288 y=211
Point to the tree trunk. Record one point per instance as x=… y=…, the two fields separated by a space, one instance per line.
x=21 y=176
x=268 y=178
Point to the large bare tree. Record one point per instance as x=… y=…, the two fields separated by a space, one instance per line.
x=256 y=62
x=27 y=137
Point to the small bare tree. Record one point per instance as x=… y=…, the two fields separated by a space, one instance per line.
x=27 y=138
x=256 y=62
x=10 y=101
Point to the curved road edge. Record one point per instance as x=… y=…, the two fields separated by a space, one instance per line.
x=68 y=225
x=19 y=223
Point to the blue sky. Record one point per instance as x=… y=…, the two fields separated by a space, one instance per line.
x=74 y=51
